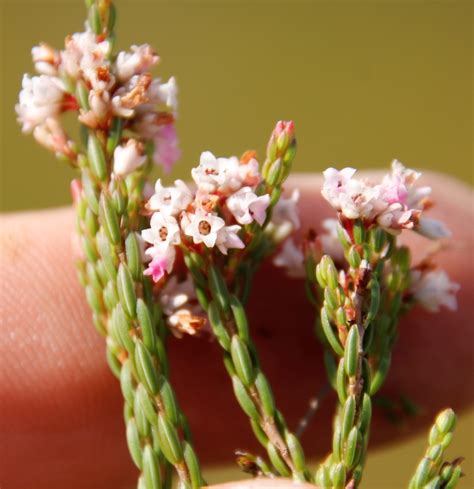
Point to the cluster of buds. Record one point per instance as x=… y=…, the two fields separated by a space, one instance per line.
x=85 y=78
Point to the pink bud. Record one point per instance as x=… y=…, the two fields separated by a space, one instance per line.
x=287 y=127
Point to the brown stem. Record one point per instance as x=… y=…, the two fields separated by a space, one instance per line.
x=271 y=430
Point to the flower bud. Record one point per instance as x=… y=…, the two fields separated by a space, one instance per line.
x=282 y=145
x=128 y=157
x=445 y=421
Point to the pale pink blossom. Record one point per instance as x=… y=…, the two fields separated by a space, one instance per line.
x=358 y=200
x=286 y=211
x=203 y=227
x=399 y=186
x=99 y=103
x=46 y=59
x=128 y=157
x=246 y=206
x=434 y=289
x=129 y=99
x=393 y=189
x=248 y=173
x=290 y=258
x=164 y=93
x=396 y=217
x=205 y=200
x=163 y=232
x=52 y=136
x=166 y=151
x=119 y=109
x=170 y=200
x=224 y=175
x=84 y=54
x=394 y=204
x=408 y=176
x=140 y=59
x=335 y=184
x=208 y=174
x=41 y=97
x=228 y=238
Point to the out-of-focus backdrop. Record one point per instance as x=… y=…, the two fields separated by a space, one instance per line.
x=365 y=81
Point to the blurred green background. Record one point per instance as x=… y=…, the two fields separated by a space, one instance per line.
x=365 y=81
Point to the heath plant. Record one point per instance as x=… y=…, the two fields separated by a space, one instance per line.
x=179 y=259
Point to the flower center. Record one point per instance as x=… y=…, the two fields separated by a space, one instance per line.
x=204 y=228
x=163 y=233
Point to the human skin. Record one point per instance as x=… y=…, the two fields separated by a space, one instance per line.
x=61 y=409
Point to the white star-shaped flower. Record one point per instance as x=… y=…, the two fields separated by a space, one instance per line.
x=170 y=200
x=246 y=206
x=228 y=238
x=164 y=231
x=203 y=227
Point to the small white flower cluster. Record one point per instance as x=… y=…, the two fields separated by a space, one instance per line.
x=213 y=216
x=394 y=204
x=83 y=77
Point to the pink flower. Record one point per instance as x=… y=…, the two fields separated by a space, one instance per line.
x=358 y=200
x=52 y=136
x=41 y=98
x=335 y=184
x=157 y=268
x=246 y=206
x=164 y=93
x=227 y=238
x=141 y=59
x=161 y=263
x=167 y=151
x=46 y=59
x=83 y=54
x=434 y=289
x=393 y=190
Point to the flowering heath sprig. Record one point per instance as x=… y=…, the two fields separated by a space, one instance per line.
x=127 y=123
x=220 y=232
x=361 y=292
